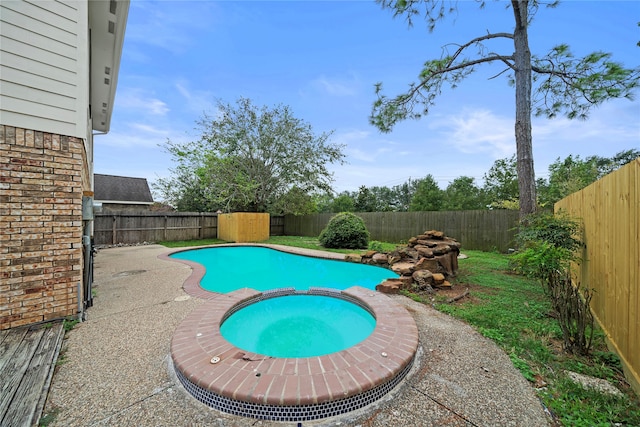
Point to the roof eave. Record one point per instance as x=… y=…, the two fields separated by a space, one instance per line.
x=107 y=22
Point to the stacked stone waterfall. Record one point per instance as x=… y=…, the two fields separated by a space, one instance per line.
x=424 y=264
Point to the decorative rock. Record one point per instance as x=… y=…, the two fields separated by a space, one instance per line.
x=446 y=264
x=379 y=258
x=394 y=257
x=427 y=243
x=438 y=278
x=407 y=252
x=424 y=251
x=406 y=282
x=599 y=384
x=435 y=234
x=404 y=267
x=441 y=249
x=428 y=264
x=389 y=286
x=444 y=284
x=424 y=263
x=423 y=280
x=353 y=258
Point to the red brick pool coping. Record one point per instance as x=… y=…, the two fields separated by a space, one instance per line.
x=254 y=378
x=258 y=379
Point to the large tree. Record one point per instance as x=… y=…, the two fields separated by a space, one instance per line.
x=573 y=174
x=251 y=159
x=563 y=83
x=463 y=194
x=428 y=196
x=501 y=183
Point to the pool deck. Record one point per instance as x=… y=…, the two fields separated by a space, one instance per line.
x=262 y=380
x=116 y=369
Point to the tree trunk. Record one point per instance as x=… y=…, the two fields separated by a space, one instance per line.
x=524 y=150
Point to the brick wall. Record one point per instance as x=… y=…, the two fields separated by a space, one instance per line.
x=41 y=187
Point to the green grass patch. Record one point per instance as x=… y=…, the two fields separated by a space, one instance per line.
x=48 y=418
x=513 y=311
x=69 y=324
x=186 y=243
x=296 y=241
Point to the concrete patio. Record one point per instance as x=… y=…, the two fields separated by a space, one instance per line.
x=115 y=368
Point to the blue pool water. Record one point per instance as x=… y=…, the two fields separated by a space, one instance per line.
x=259 y=268
x=298 y=326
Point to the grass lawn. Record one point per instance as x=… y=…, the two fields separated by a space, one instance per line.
x=514 y=312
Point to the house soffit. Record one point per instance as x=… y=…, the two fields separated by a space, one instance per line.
x=107 y=22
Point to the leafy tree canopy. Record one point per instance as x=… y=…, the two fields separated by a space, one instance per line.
x=250 y=159
x=501 y=181
x=573 y=174
x=463 y=194
x=343 y=203
x=428 y=196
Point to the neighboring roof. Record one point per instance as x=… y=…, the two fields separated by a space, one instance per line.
x=111 y=188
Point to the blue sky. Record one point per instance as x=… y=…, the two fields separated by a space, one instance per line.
x=323 y=59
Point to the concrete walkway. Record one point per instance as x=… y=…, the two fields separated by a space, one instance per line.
x=116 y=366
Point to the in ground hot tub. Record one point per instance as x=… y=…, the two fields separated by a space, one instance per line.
x=298 y=325
x=253 y=384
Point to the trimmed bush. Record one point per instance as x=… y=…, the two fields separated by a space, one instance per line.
x=345 y=231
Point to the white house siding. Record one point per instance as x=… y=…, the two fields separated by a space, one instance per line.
x=44 y=67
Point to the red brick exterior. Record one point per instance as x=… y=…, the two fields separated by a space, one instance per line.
x=41 y=187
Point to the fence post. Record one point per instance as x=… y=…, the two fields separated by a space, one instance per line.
x=114 y=240
x=164 y=230
x=201 y=225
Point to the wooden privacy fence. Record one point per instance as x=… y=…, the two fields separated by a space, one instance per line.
x=480 y=229
x=138 y=227
x=611 y=258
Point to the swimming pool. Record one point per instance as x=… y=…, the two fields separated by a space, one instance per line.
x=298 y=325
x=251 y=383
x=229 y=268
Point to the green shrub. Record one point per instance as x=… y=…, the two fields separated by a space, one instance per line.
x=374 y=245
x=541 y=260
x=559 y=230
x=548 y=245
x=345 y=231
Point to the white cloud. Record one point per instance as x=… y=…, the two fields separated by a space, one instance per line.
x=477 y=131
x=361 y=145
x=130 y=139
x=138 y=101
x=140 y=135
x=150 y=130
x=172 y=27
x=198 y=101
x=336 y=86
x=611 y=123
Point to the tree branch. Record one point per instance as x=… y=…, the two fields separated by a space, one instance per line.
x=449 y=69
x=477 y=40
